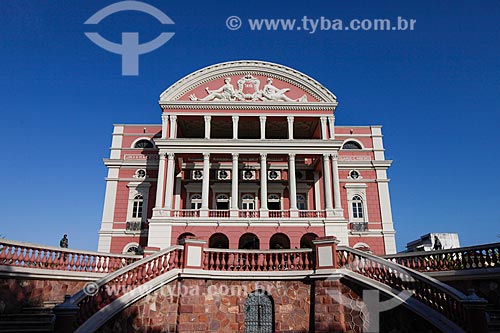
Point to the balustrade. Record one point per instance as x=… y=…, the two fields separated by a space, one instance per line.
x=28 y=255
x=258 y=260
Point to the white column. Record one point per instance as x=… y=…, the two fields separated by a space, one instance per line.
x=331 y=126
x=207 y=126
x=323 y=127
x=160 y=184
x=336 y=185
x=235 y=126
x=262 y=127
x=173 y=127
x=205 y=184
x=292 y=182
x=234 y=186
x=164 y=125
x=290 y=127
x=263 y=185
x=328 y=183
x=170 y=181
x=386 y=213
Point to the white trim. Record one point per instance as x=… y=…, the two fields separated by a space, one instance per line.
x=354 y=140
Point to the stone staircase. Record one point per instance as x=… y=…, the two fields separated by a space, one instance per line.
x=30 y=319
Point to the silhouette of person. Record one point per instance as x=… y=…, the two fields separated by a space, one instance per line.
x=437 y=244
x=64 y=242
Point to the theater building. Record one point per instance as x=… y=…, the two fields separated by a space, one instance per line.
x=248 y=155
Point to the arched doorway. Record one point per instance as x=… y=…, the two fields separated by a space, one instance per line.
x=249 y=241
x=279 y=241
x=218 y=241
x=259 y=313
x=306 y=240
x=185 y=235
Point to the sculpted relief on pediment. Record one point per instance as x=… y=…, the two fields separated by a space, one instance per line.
x=248 y=90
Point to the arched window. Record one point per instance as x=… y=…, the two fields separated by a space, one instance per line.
x=259 y=313
x=137 y=207
x=143 y=144
x=218 y=241
x=306 y=240
x=248 y=202
x=249 y=241
x=184 y=236
x=301 y=202
x=273 y=202
x=279 y=241
x=357 y=207
x=351 y=145
x=222 y=201
x=133 y=248
x=195 y=201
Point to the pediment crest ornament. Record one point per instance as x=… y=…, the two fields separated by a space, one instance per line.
x=248 y=91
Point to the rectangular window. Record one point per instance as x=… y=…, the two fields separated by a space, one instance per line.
x=137 y=212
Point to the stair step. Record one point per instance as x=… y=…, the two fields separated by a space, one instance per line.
x=25 y=316
x=27 y=330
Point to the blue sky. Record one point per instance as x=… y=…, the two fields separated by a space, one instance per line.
x=435 y=90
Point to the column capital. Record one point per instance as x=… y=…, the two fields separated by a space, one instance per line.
x=172 y=117
x=235 y=155
x=236 y=118
x=331 y=118
x=290 y=118
x=170 y=156
x=322 y=119
x=335 y=156
x=165 y=116
x=263 y=156
x=262 y=118
x=162 y=156
x=207 y=118
x=206 y=156
x=326 y=155
x=291 y=156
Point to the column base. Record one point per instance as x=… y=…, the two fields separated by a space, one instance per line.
x=264 y=213
x=294 y=213
x=204 y=212
x=330 y=212
x=234 y=213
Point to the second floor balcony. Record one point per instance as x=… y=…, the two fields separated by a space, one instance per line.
x=240 y=214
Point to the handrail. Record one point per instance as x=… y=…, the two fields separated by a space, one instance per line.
x=111 y=287
x=464 y=258
x=439 y=296
x=23 y=254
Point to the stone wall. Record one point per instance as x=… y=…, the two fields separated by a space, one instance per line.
x=193 y=305
x=23 y=292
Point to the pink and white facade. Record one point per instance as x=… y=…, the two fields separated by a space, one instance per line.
x=247 y=156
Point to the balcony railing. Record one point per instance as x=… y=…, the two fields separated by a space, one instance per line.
x=186 y=213
x=249 y=213
x=218 y=213
x=312 y=214
x=225 y=213
x=279 y=213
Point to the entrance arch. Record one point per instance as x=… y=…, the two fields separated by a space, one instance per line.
x=249 y=241
x=218 y=241
x=279 y=241
x=306 y=240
